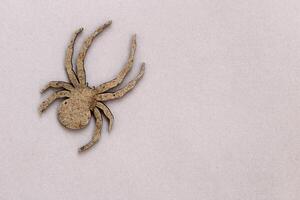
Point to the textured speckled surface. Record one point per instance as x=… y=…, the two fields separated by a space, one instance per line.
x=82 y=100
x=216 y=116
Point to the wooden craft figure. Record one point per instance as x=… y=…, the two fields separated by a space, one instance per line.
x=81 y=101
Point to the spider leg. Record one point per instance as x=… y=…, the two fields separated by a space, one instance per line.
x=57 y=84
x=120 y=93
x=61 y=94
x=84 y=48
x=68 y=59
x=120 y=77
x=107 y=114
x=97 y=132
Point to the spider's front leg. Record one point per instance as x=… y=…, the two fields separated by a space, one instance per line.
x=122 y=74
x=68 y=59
x=83 y=51
x=97 y=132
x=120 y=93
x=61 y=94
x=57 y=84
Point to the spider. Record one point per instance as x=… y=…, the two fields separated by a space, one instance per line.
x=81 y=101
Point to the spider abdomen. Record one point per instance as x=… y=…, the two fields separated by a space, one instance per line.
x=74 y=114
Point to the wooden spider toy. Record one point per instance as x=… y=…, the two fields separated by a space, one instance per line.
x=81 y=101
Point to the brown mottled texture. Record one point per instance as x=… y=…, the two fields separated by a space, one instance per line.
x=120 y=77
x=120 y=93
x=68 y=59
x=57 y=84
x=97 y=132
x=81 y=101
x=107 y=114
x=84 y=48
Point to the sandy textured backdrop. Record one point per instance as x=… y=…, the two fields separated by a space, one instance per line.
x=217 y=115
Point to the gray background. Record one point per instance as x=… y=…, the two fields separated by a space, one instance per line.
x=215 y=117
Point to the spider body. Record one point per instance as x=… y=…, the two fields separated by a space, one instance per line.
x=81 y=101
x=75 y=112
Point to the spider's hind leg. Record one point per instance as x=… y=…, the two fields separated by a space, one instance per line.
x=45 y=104
x=107 y=114
x=97 y=132
x=57 y=84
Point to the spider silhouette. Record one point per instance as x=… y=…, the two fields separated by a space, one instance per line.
x=81 y=101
